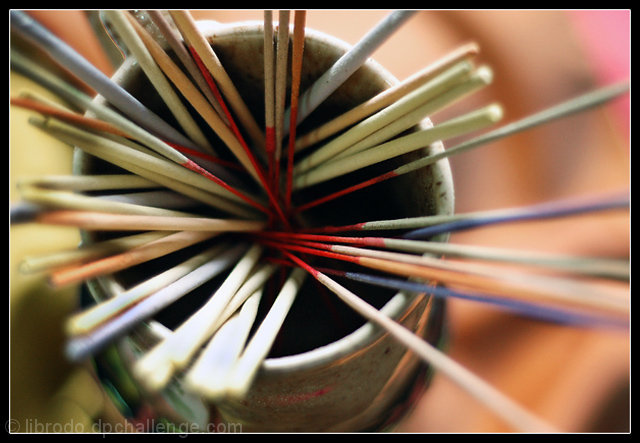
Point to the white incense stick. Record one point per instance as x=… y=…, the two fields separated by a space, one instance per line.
x=210 y=372
x=479 y=79
x=123 y=222
x=159 y=199
x=107 y=148
x=258 y=348
x=173 y=353
x=69 y=200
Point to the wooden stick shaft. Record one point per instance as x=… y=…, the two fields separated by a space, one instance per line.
x=116 y=222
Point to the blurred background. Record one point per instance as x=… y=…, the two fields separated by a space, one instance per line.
x=578 y=379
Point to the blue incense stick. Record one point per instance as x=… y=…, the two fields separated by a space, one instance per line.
x=527 y=309
x=561 y=208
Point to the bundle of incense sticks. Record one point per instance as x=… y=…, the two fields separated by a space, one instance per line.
x=231 y=206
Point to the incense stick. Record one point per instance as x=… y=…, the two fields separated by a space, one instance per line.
x=589 y=266
x=233 y=137
x=594 y=202
x=296 y=69
x=174 y=39
x=255 y=282
x=65 y=115
x=188 y=28
x=402 y=106
x=578 y=104
x=118 y=262
x=457 y=126
x=257 y=171
x=561 y=208
x=107 y=182
x=71 y=200
x=123 y=222
x=479 y=79
x=536 y=311
x=120 y=21
x=282 y=57
x=78 y=348
x=112 y=92
x=245 y=299
x=81 y=100
x=85 y=321
x=348 y=64
x=386 y=97
x=269 y=92
x=520 y=285
x=243 y=373
x=504 y=407
x=167 y=181
x=198 y=101
x=112 y=151
x=167 y=199
x=174 y=352
x=86 y=252
x=209 y=373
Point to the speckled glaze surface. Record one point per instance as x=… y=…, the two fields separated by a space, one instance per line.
x=356 y=382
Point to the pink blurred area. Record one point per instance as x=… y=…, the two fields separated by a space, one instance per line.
x=606 y=38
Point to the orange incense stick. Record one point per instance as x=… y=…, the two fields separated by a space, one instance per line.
x=132 y=257
x=296 y=69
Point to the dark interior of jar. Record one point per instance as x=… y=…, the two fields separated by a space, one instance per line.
x=317 y=317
